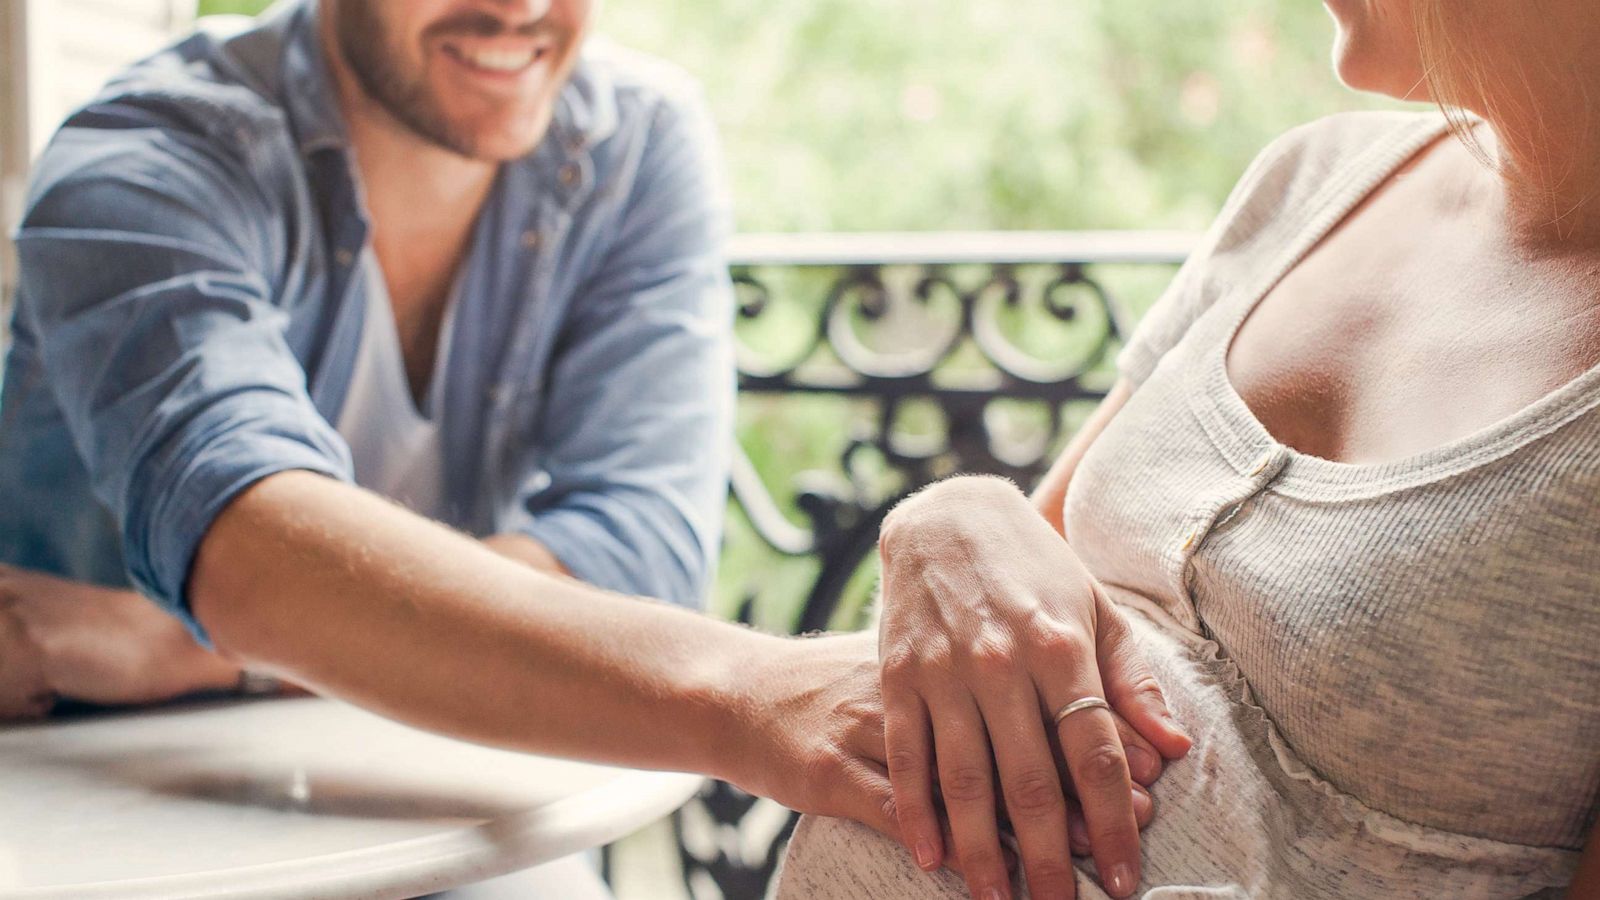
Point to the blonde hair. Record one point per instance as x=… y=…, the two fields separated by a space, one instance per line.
x=1448 y=71
x=1455 y=46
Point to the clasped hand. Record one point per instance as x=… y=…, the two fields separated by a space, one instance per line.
x=990 y=626
x=63 y=638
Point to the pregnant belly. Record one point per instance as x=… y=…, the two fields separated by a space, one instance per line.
x=1243 y=810
x=1239 y=817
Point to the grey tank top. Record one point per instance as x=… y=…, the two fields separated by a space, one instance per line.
x=1392 y=671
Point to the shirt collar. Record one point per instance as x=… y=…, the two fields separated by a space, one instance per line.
x=308 y=94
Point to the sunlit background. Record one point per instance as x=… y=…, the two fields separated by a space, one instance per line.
x=923 y=115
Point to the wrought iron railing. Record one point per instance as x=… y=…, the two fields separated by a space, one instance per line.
x=931 y=354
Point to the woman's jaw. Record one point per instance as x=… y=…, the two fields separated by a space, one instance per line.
x=1376 y=49
x=1526 y=70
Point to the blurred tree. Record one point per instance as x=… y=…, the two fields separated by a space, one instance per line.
x=245 y=7
x=988 y=114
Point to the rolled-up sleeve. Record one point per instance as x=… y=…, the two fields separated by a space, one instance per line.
x=634 y=441
x=146 y=271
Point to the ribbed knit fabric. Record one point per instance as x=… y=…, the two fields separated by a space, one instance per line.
x=1393 y=670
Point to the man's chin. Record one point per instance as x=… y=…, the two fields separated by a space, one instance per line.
x=505 y=150
x=502 y=143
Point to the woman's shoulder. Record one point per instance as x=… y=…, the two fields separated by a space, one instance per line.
x=1347 y=134
x=1308 y=166
x=1280 y=203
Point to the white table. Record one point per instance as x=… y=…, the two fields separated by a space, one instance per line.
x=291 y=798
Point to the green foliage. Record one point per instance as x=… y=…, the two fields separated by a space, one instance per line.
x=983 y=114
x=842 y=115
x=242 y=7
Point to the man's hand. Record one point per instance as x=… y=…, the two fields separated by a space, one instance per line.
x=61 y=638
x=24 y=691
x=815 y=711
x=810 y=730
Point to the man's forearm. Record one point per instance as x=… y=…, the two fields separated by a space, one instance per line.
x=340 y=590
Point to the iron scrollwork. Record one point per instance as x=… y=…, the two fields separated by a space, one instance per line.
x=988 y=343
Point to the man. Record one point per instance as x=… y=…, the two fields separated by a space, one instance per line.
x=221 y=254
x=428 y=248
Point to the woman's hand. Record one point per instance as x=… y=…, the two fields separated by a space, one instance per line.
x=991 y=625
x=94 y=644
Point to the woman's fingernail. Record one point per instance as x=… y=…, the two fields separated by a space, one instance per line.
x=926 y=858
x=1120 y=882
x=1141 y=805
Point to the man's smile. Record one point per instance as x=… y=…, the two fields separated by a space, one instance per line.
x=499 y=59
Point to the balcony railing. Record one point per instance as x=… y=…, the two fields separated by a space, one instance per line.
x=870 y=365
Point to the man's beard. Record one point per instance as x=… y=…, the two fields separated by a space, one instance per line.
x=366 y=46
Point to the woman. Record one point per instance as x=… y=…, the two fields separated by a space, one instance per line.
x=1346 y=498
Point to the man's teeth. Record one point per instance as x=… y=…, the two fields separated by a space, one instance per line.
x=500 y=60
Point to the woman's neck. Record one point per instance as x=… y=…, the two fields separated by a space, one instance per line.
x=1550 y=176
x=1544 y=111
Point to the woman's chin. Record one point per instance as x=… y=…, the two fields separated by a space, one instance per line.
x=1360 y=72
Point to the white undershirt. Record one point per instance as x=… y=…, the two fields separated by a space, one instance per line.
x=395 y=446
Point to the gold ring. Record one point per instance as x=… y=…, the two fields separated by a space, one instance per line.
x=1081 y=705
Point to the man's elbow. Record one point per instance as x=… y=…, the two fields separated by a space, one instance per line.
x=226 y=593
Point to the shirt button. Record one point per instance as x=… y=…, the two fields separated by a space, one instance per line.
x=530 y=239
x=569 y=174
x=344 y=257
x=1262 y=463
x=1193 y=536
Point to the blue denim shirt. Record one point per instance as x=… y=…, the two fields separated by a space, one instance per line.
x=190 y=306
